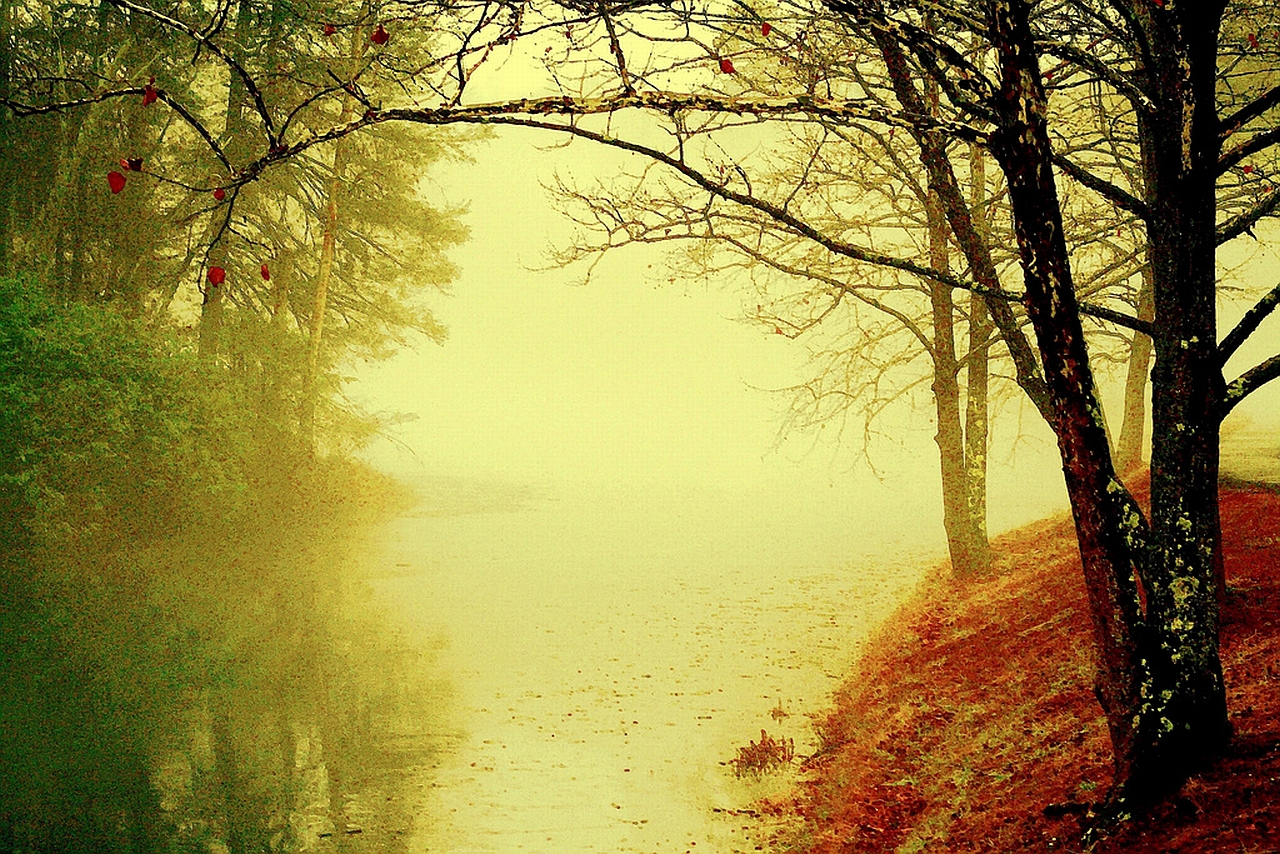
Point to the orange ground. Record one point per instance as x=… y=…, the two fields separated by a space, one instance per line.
x=970 y=724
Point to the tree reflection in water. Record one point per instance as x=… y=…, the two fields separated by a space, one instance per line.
x=232 y=693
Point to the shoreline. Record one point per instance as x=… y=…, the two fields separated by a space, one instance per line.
x=969 y=722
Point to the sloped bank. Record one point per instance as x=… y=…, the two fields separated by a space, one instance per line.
x=970 y=724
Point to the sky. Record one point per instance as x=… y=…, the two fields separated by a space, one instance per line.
x=632 y=379
x=542 y=374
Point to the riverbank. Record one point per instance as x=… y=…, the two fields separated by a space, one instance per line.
x=969 y=723
x=609 y=647
x=225 y=688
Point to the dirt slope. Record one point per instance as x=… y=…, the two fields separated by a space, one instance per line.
x=970 y=724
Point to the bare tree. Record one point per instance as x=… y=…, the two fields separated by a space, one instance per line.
x=1154 y=579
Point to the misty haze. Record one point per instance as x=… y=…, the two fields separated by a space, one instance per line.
x=622 y=427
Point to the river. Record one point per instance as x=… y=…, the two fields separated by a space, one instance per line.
x=609 y=649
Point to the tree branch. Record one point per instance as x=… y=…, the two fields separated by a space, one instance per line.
x=1117 y=196
x=1249 y=382
x=21 y=109
x=260 y=105
x=1244 y=223
x=1258 y=142
x=1250 y=322
x=1097 y=66
x=1250 y=111
x=839 y=247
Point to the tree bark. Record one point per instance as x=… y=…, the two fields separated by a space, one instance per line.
x=1133 y=427
x=1183 y=720
x=1109 y=526
x=1160 y=680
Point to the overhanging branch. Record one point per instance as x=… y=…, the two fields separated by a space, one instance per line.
x=1251 y=320
x=1249 y=382
x=203 y=39
x=1120 y=198
x=839 y=247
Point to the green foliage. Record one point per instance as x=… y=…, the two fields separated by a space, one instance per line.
x=106 y=427
x=161 y=584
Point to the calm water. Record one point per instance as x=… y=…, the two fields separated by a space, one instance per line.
x=609 y=650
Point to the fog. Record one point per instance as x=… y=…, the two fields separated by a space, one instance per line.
x=635 y=380
x=628 y=572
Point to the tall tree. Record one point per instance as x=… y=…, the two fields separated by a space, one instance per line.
x=1201 y=115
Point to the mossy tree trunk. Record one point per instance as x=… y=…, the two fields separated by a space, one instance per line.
x=1151 y=590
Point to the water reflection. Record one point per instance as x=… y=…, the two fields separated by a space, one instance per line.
x=612 y=648
x=216 y=695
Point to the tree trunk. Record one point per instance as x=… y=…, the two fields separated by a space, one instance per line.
x=8 y=175
x=1183 y=720
x=1109 y=525
x=976 y=427
x=965 y=543
x=210 y=320
x=319 y=305
x=1160 y=680
x=236 y=138
x=1133 y=427
x=359 y=42
x=970 y=240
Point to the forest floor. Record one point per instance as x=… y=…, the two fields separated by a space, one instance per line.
x=970 y=723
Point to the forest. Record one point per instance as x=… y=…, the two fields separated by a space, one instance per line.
x=177 y=450
x=208 y=210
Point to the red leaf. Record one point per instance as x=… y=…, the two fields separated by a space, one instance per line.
x=726 y=66
x=219 y=194
x=765 y=28
x=777 y=330
x=131 y=164
x=266 y=274
x=149 y=95
x=217 y=276
x=330 y=29
x=1253 y=40
x=379 y=36
x=1247 y=168
x=116 y=180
